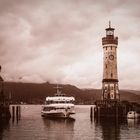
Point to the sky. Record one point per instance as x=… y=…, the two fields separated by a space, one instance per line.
x=60 y=41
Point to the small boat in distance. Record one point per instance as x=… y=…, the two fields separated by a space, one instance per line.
x=133 y=115
x=58 y=106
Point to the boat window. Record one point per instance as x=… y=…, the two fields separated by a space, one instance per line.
x=60 y=101
x=60 y=108
x=49 y=108
x=49 y=102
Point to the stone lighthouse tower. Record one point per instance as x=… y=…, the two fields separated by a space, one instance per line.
x=110 y=89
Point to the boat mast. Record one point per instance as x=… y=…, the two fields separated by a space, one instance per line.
x=57 y=89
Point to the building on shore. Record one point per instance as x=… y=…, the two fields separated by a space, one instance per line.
x=4 y=102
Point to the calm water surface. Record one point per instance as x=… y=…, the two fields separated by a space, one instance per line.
x=32 y=126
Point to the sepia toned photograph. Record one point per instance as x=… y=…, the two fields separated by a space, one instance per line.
x=69 y=70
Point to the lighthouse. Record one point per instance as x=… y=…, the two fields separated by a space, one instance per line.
x=110 y=105
x=110 y=90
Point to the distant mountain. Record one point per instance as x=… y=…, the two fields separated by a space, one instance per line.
x=134 y=91
x=130 y=95
x=36 y=93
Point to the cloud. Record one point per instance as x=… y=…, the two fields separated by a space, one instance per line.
x=60 y=40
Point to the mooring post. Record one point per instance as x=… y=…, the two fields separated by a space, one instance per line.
x=17 y=112
x=125 y=111
x=91 y=112
x=13 y=111
x=117 y=111
x=98 y=112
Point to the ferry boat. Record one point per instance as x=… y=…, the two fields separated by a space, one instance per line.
x=58 y=106
x=133 y=115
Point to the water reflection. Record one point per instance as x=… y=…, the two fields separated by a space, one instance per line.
x=116 y=129
x=62 y=129
x=3 y=125
x=33 y=127
x=110 y=128
x=133 y=123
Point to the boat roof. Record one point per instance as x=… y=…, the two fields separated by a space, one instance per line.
x=60 y=98
x=59 y=105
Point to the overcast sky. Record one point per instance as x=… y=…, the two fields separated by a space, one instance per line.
x=60 y=41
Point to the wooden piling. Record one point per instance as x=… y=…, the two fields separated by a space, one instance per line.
x=13 y=111
x=98 y=110
x=16 y=112
x=19 y=112
x=91 y=113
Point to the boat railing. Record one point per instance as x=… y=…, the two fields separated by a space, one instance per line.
x=60 y=102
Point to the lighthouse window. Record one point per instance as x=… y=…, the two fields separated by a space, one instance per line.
x=112 y=96
x=106 y=48
x=111 y=75
x=111 y=47
x=106 y=65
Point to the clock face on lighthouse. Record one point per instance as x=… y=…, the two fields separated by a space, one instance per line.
x=111 y=57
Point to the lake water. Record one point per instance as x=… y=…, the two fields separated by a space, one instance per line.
x=32 y=126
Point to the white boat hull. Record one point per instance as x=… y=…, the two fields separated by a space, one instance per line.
x=56 y=114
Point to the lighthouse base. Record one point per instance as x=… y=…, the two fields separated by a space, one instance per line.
x=114 y=109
